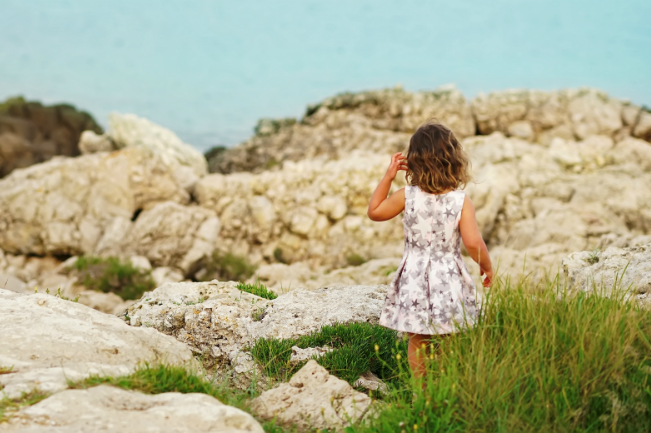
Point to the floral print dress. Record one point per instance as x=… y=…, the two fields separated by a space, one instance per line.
x=433 y=292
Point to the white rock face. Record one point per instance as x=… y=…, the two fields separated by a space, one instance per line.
x=74 y=205
x=282 y=278
x=129 y=130
x=298 y=224
x=539 y=201
x=313 y=399
x=568 y=114
x=170 y=234
x=216 y=319
x=105 y=408
x=49 y=341
x=628 y=267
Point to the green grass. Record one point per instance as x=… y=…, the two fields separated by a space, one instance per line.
x=164 y=378
x=537 y=360
x=353 y=352
x=113 y=275
x=355 y=260
x=257 y=289
x=10 y=406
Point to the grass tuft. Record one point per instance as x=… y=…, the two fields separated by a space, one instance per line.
x=257 y=289
x=10 y=406
x=225 y=267
x=353 y=352
x=355 y=260
x=113 y=275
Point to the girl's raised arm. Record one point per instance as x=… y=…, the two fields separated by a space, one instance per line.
x=473 y=241
x=380 y=207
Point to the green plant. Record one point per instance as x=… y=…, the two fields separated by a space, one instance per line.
x=10 y=406
x=353 y=351
x=594 y=256
x=278 y=255
x=227 y=267
x=539 y=358
x=6 y=370
x=113 y=275
x=257 y=289
x=355 y=260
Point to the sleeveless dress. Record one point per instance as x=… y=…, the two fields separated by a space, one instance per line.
x=432 y=292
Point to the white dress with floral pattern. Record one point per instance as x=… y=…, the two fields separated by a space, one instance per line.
x=433 y=292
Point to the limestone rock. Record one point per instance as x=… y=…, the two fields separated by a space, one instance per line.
x=300 y=355
x=299 y=224
x=313 y=399
x=169 y=234
x=216 y=319
x=11 y=283
x=567 y=114
x=90 y=142
x=282 y=278
x=105 y=408
x=594 y=270
x=49 y=341
x=370 y=381
x=129 y=130
x=76 y=205
x=108 y=303
x=375 y=121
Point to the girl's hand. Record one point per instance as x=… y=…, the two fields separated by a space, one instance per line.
x=398 y=162
x=488 y=278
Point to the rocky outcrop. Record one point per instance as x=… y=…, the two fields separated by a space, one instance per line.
x=81 y=205
x=104 y=408
x=48 y=341
x=532 y=200
x=572 y=114
x=217 y=320
x=613 y=269
x=374 y=121
x=313 y=399
x=382 y=121
x=31 y=132
x=306 y=211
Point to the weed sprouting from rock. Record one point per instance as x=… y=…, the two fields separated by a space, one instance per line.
x=113 y=275
x=593 y=258
x=257 y=289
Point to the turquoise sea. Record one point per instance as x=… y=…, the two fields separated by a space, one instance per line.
x=208 y=69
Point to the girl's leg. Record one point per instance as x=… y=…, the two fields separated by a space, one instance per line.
x=417 y=353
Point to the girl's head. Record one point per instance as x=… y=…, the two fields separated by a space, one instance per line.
x=436 y=161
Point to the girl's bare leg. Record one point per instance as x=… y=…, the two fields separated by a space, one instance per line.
x=417 y=353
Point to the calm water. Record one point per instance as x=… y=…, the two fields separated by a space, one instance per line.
x=209 y=69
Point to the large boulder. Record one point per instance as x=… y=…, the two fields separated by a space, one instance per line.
x=613 y=269
x=105 y=408
x=47 y=341
x=69 y=206
x=129 y=130
x=313 y=399
x=217 y=320
x=31 y=132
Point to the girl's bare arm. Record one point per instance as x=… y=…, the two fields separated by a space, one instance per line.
x=380 y=207
x=473 y=241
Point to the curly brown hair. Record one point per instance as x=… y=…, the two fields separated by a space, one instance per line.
x=435 y=159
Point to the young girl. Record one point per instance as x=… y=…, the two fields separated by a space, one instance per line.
x=432 y=292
